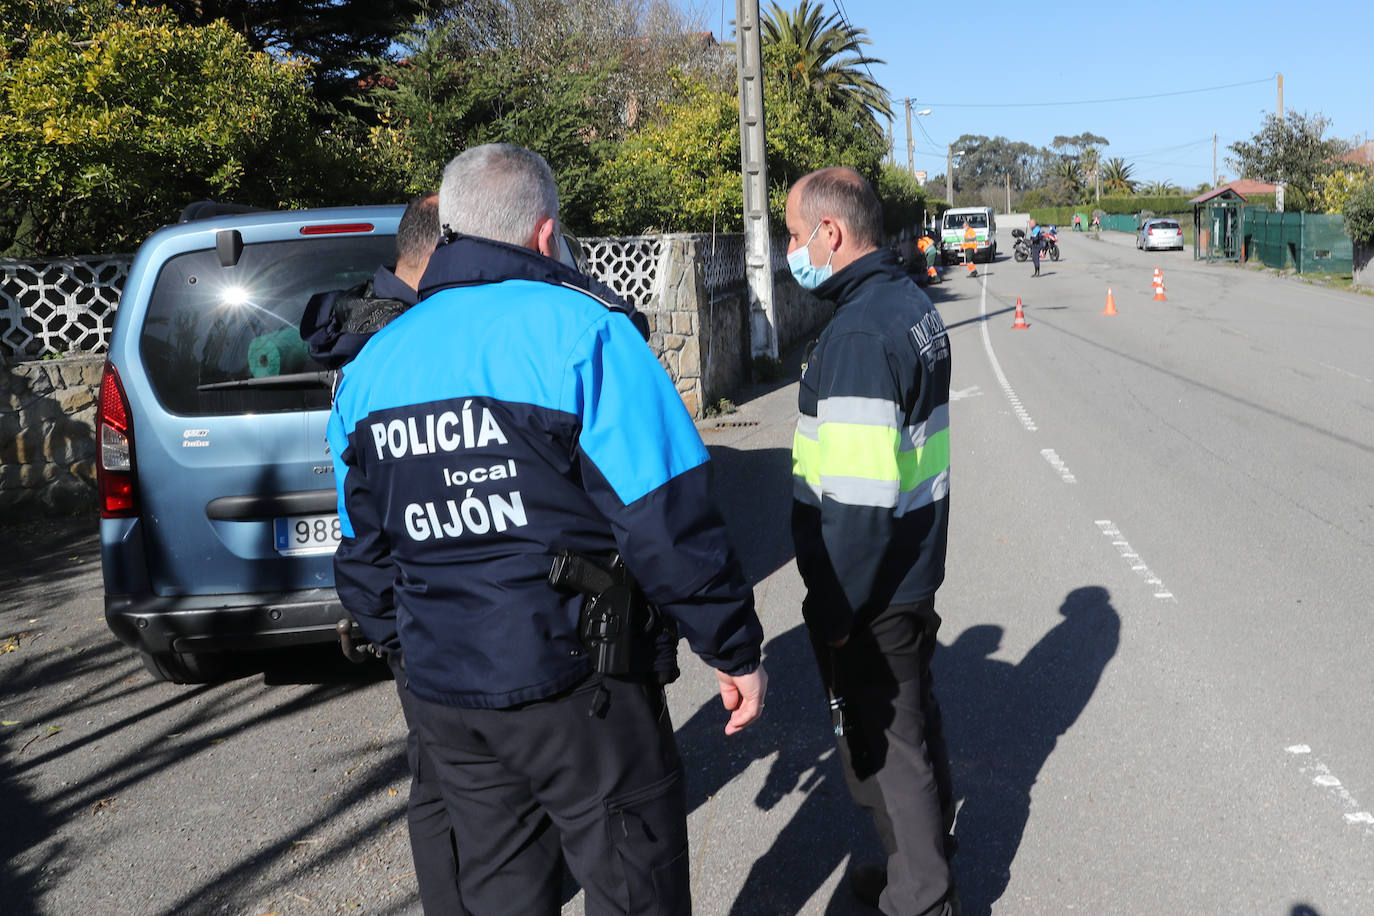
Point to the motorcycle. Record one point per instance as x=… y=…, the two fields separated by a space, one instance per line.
x=1049 y=244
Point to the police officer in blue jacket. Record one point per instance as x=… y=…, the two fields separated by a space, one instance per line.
x=507 y=416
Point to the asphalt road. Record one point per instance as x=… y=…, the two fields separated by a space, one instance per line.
x=1154 y=665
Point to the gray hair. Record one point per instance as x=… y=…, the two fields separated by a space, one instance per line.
x=841 y=192
x=497 y=191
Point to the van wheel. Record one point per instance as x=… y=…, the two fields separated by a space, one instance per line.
x=186 y=667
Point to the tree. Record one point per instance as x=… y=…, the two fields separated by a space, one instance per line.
x=1290 y=150
x=113 y=117
x=680 y=172
x=1085 y=150
x=569 y=79
x=1160 y=188
x=1337 y=188
x=812 y=49
x=436 y=103
x=1116 y=176
x=335 y=35
x=989 y=162
x=1359 y=215
x=1069 y=175
x=904 y=202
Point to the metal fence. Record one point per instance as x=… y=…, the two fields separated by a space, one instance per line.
x=1304 y=242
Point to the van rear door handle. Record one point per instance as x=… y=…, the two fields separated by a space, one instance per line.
x=251 y=507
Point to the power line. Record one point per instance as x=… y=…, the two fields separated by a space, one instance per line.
x=1125 y=98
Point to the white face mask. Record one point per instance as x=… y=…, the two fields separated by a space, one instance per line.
x=808 y=275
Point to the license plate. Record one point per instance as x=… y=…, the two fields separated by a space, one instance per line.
x=306 y=535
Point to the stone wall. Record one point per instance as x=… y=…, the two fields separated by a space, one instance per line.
x=702 y=337
x=47 y=436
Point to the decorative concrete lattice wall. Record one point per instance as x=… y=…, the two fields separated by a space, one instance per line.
x=50 y=308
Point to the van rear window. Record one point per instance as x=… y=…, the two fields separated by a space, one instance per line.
x=211 y=325
x=976 y=220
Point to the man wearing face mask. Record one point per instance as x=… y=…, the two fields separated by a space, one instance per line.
x=870 y=520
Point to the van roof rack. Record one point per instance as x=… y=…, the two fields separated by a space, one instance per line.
x=205 y=209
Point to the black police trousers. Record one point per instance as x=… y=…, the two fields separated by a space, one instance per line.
x=432 y=841
x=893 y=752
x=591 y=775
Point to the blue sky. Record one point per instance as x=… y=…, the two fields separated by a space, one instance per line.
x=1025 y=55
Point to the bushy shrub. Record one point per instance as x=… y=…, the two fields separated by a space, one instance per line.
x=1359 y=216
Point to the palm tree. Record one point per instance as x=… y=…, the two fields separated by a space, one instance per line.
x=1116 y=175
x=1160 y=189
x=824 y=54
x=1069 y=172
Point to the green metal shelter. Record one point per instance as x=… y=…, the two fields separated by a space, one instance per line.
x=1217 y=225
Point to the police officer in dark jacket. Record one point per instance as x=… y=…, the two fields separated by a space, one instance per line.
x=335 y=326
x=870 y=521
x=508 y=416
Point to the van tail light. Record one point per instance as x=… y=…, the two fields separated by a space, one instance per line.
x=115 y=469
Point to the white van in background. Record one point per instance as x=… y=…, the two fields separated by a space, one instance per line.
x=984 y=223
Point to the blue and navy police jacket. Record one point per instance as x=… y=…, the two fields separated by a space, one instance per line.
x=507 y=415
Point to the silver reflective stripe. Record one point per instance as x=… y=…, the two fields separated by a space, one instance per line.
x=864 y=411
x=809 y=427
x=877 y=494
x=927 y=493
x=860 y=491
x=914 y=437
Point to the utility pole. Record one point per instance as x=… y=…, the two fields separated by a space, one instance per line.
x=891 y=145
x=1008 y=193
x=753 y=155
x=1214 y=160
x=910 y=147
x=949 y=174
x=1281 y=184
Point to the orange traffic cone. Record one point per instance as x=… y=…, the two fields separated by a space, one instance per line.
x=1158 y=281
x=1020 y=321
x=1159 y=288
x=1111 y=303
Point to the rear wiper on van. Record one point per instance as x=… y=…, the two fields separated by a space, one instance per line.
x=321 y=379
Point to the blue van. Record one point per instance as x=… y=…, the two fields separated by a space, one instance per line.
x=218 y=509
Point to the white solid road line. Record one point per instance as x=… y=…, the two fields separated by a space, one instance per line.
x=1021 y=413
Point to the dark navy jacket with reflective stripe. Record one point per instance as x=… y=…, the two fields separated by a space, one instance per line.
x=870 y=457
x=501 y=419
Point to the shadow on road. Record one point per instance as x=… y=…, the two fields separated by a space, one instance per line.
x=1002 y=722
x=85 y=730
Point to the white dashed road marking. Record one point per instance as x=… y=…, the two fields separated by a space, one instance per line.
x=1050 y=455
x=1058 y=464
x=1325 y=779
x=1123 y=547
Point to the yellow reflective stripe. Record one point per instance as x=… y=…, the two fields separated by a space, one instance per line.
x=806 y=458
x=921 y=464
x=857 y=450
x=866 y=465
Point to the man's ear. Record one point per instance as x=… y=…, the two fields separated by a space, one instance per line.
x=546 y=237
x=835 y=233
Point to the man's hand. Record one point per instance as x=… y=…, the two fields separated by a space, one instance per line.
x=743 y=696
